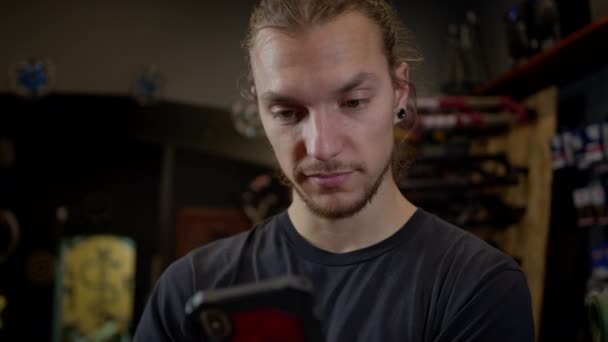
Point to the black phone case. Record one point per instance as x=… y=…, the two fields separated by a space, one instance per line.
x=212 y=311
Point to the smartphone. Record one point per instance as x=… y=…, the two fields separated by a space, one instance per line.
x=273 y=310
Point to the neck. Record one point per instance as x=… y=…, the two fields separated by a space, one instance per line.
x=385 y=215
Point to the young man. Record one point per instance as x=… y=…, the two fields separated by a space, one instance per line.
x=331 y=84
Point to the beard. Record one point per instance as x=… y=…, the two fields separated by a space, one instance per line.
x=336 y=212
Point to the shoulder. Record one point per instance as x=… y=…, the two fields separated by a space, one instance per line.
x=210 y=266
x=459 y=250
x=476 y=282
x=163 y=317
x=462 y=263
x=216 y=264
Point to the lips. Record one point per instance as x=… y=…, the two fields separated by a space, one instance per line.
x=330 y=180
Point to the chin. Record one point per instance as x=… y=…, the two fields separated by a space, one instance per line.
x=335 y=205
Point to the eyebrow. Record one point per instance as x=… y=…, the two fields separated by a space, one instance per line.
x=357 y=81
x=271 y=96
x=353 y=83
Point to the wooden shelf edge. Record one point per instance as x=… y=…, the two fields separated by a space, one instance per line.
x=546 y=64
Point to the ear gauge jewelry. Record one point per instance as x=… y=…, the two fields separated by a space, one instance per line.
x=402 y=113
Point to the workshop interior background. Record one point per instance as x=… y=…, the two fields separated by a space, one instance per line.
x=124 y=144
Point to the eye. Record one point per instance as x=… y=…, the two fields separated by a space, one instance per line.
x=354 y=103
x=285 y=115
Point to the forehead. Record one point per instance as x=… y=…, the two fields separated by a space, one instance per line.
x=326 y=53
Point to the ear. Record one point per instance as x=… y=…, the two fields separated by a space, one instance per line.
x=401 y=86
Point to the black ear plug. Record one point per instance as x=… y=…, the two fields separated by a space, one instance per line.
x=402 y=113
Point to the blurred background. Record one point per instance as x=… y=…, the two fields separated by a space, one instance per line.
x=124 y=144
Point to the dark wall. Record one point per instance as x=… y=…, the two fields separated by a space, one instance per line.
x=99 y=46
x=80 y=153
x=68 y=156
x=210 y=181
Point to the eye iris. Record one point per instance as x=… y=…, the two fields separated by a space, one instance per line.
x=286 y=114
x=353 y=103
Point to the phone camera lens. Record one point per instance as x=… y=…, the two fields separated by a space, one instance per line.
x=216 y=323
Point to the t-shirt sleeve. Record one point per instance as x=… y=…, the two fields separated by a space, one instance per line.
x=499 y=309
x=163 y=318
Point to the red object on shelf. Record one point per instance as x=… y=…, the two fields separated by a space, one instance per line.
x=198 y=226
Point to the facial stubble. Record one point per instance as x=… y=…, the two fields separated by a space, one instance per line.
x=332 y=213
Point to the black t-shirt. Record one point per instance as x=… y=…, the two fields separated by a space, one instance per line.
x=430 y=281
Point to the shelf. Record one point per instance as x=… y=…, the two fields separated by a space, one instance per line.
x=578 y=54
x=420 y=185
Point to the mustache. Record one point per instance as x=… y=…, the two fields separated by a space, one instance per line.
x=331 y=166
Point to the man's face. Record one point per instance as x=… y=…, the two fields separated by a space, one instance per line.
x=327 y=104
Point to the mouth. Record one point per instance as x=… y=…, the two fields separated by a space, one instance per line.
x=330 y=180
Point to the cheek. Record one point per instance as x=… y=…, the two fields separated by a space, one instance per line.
x=283 y=145
x=380 y=144
x=379 y=138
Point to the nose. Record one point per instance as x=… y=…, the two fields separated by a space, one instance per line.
x=322 y=135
